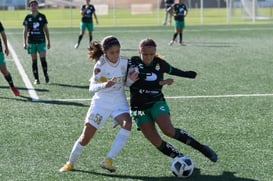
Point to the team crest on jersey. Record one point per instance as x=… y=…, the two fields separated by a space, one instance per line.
x=97 y=70
x=40 y=18
x=157 y=67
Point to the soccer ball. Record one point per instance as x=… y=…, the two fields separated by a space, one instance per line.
x=182 y=166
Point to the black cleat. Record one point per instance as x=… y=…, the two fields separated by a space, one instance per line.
x=46 y=79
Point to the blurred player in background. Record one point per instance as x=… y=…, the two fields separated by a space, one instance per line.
x=3 y=67
x=167 y=13
x=180 y=11
x=87 y=12
x=35 y=34
x=149 y=107
x=109 y=100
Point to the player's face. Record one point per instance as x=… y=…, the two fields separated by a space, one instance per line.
x=112 y=53
x=33 y=6
x=147 y=54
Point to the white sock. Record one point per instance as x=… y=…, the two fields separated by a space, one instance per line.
x=118 y=143
x=75 y=152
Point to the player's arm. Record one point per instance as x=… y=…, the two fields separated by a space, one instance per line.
x=187 y=74
x=25 y=37
x=96 y=18
x=178 y=72
x=83 y=10
x=47 y=36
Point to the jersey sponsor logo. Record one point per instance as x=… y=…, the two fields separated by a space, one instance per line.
x=36 y=25
x=143 y=91
x=151 y=76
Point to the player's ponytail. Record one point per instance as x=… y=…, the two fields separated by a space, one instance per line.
x=95 y=51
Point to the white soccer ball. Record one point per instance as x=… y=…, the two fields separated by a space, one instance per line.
x=182 y=166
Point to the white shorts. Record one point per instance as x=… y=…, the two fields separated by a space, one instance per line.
x=98 y=114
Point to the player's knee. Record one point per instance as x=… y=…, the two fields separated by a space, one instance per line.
x=169 y=131
x=83 y=140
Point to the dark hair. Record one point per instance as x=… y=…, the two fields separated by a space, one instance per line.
x=32 y=1
x=147 y=42
x=95 y=50
x=108 y=42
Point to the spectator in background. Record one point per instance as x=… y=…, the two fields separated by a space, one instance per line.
x=35 y=34
x=87 y=12
x=167 y=14
x=3 y=67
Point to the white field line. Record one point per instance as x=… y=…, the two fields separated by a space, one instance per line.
x=183 y=97
x=23 y=74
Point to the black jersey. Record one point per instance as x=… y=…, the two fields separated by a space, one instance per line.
x=179 y=11
x=146 y=90
x=35 y=27
x=1 y=30
x=88 y=14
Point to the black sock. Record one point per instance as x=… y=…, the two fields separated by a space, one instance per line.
x=9 y=80
x=90 y=38
x=174 y=36
x=184 y=137
x=35 y=69
x=80 y=39
x=44 y=65
x=168 y=149
x=180 y=37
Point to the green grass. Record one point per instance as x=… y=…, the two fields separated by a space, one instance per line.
x=37 y=137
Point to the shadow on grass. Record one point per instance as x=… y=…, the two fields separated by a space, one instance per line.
x=57 y=102
x=212 y=44
x=226 y=176
x=71 y=86
x=23 y=88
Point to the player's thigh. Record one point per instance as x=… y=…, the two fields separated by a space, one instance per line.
x=41 y=48
x=83 y=26
x=90 y=27
x=149 y=131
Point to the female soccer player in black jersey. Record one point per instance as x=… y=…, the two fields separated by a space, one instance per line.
x=148 y=105
x=35 y=34
x=87 y=13
x=180 y=11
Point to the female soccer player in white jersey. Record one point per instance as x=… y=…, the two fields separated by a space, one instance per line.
x=108 y=80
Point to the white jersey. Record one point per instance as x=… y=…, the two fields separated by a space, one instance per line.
x=105 y=70
x=107 y=101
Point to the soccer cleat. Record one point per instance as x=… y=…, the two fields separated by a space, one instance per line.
x=36 y=81
x=107 y=164
x=67 y=167
x=77 y=45
x=182 y=44
x=15 y=91
x=209 y=153
x=171 y=43
x=46 y=79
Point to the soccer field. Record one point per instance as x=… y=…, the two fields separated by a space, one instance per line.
x=229 y=106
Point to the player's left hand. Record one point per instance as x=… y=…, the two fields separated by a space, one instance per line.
x=191 y=74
